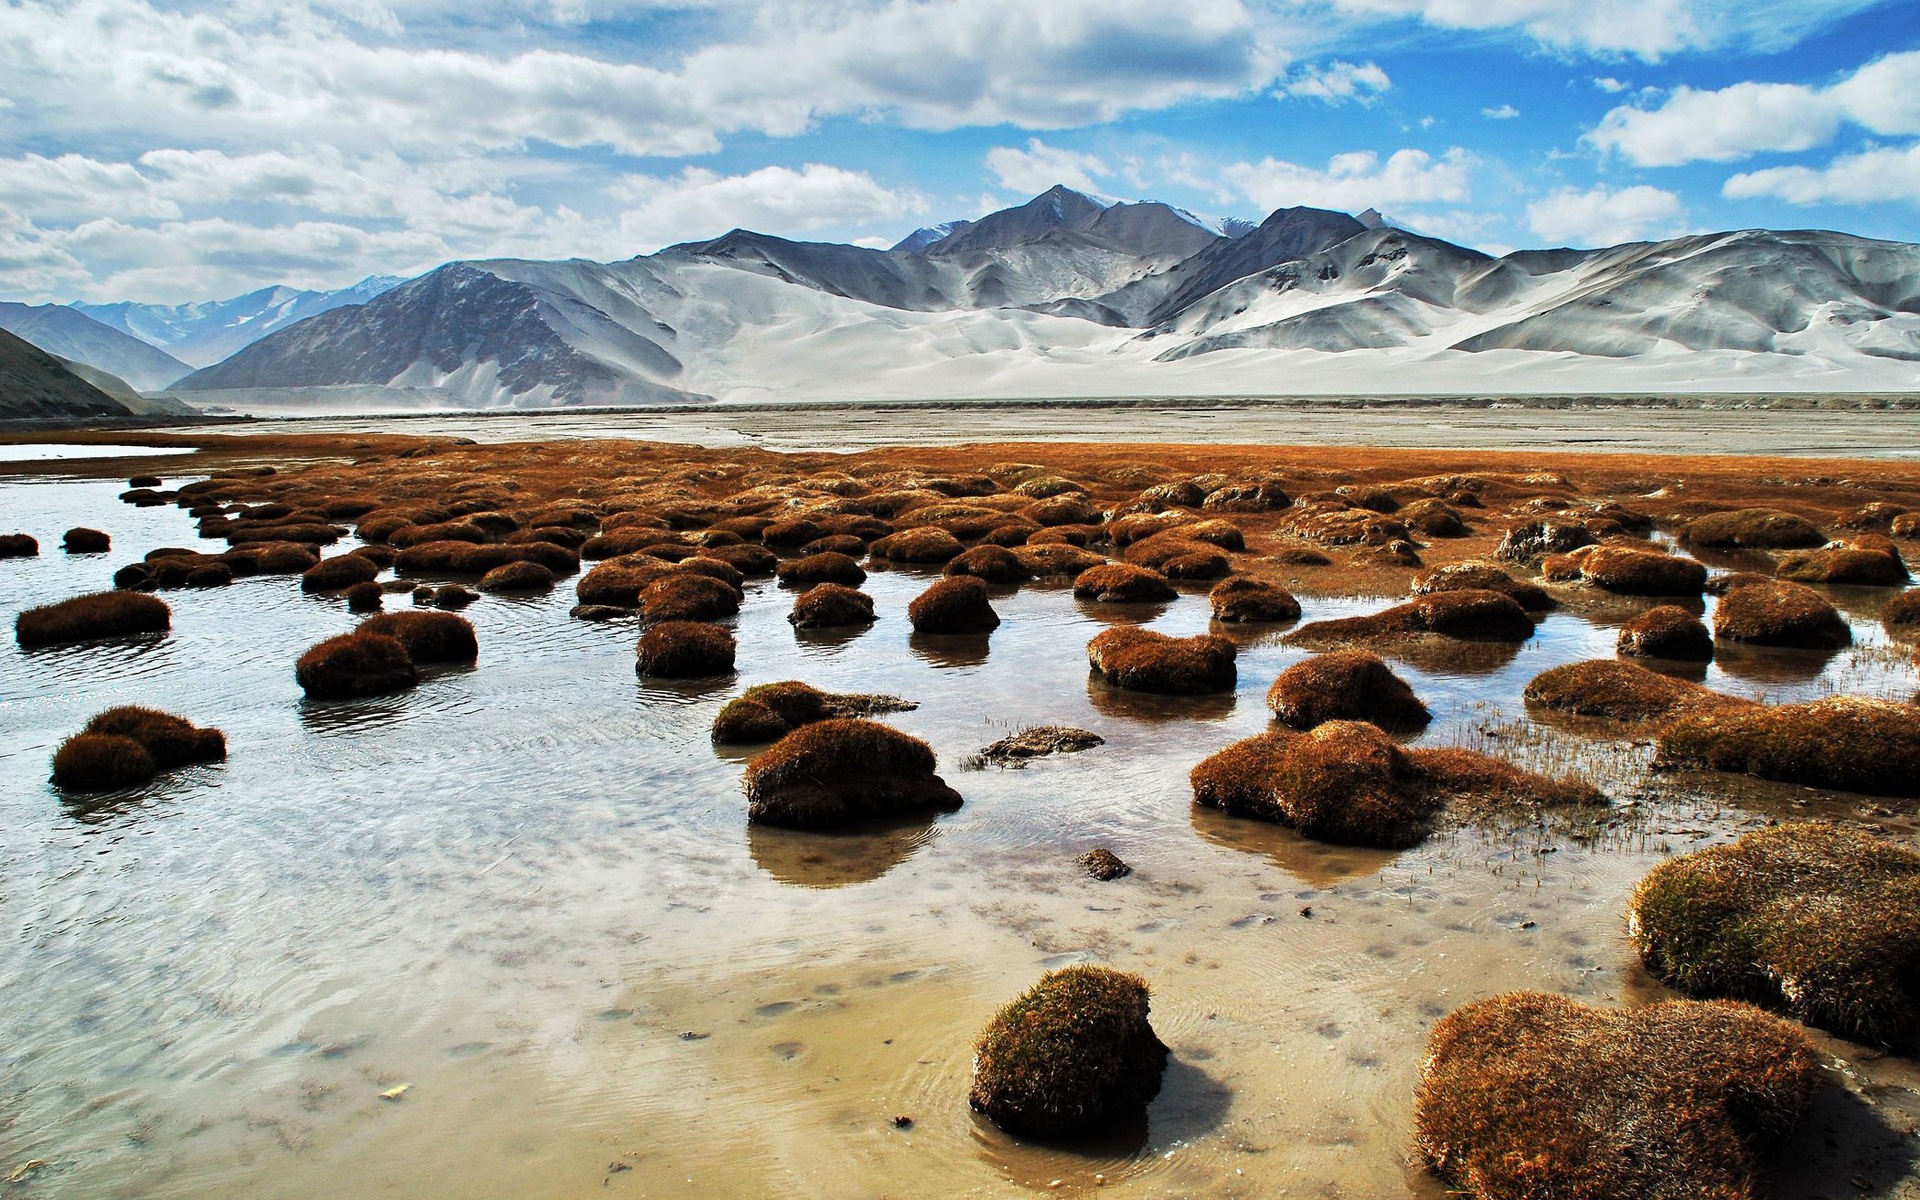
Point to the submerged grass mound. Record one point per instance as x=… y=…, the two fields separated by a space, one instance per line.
x=1239 y=600
x=19 y=545
x=685 y=650
x=1620 y=691
x=1768 y=613
x=1345 y=685
x=361 y=663
x=1141 y=660
x=81 y=540
x=831 y=606
x=1122 y=583
x=1666 y=631
x=827 y=566
x=98 y=615
x=831 y=773
x=685 y=596
x=129 y=744
x=1530 y=1096
x=1474 y=616
x=1348 y=782
x=1753 y=529
x=1038 y=742
x=1820 y=922
x=1846 y=742
x=430 y=637
x=1476 y=576
x=1844 y=564
x=1073 y=1053
x=957 y=604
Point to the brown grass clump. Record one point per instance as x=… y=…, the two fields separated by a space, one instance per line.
x=1038 y=742
x=365 y=597
x=1122 y=583
x=1845 y=742
x=825 y=567
x=1876 y=516
x=957 y=604
x=1178 y=557
x=81 y=540
x=829 y=774
x=336 y=574
x=1345 y=685
x=1020 y=532
x=1073 y=1053
x=1480 y=576
x=1666 y=631
x=679 y=596
x=169 y=740
x=1244 y=600
x=1629 y=572
x=713 y=568
x=1530 y=1096
x=361 y=663
x=1141 y=660
x=685 y=650
x=1902 y=612
x=517 y=577
x=1465 y=616
x=837 y=543
x=1138 y=527
x=313 y=534
x=1753 y=529
x=1057 y=558
x=444 y=531
x=209 y=575
x=619 y=583
x=1620 y=691
x=465 y=558
x=1535 y=540
x=927 y=544
x=98 y=615
x=453 y=597
x=1819 y=921
x=748 y=560
x=1066 y=509
x=275 y=558
x=830 y=606
x=1906 y=525
x=429 y=637
x=770 y=711
x=1844 y=564
x=19 y=545
x=1246 y=497
x=1434 y=518
x=1216 y=532
x=98 y=762
x=995 y=564
x=1104 y=865
x=616 y=543
x=1768 y=613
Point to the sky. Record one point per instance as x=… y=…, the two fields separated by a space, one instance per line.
x=173 y=151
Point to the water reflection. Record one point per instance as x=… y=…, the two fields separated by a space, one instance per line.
x=1112 y=701
x=1109 y=613
x=1319 y=865
x=950 y=649
x=1449 y=656
x=838 y=859
x=1771 y=665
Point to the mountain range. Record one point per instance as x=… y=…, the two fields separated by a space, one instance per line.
x=203 y=333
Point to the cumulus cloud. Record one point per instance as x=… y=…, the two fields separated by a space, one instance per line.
x=1648 y=29
x=701 y=204
x=1610 y=85
x=1747 y=118
x=1873 y=176
x=1040 y=166
x=1604 y=217
x=1336 y=81
x=1506 y=112
x=1354 y=181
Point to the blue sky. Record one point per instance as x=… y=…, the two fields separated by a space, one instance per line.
x=169 y=151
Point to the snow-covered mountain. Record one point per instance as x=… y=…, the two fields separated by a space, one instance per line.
x=205 y=332
x=1073 y=295
x=61 y=331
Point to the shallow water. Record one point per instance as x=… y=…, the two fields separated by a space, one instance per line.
x=527 y=891
x=62 y=451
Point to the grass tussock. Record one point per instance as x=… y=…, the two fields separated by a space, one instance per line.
x=1666 y=631
x=429 y=637
x=1845 y=564
x=619 y=584
x=82 y=540
x=1473 y=616
x=1902 y=612
x=1753 y=529
x=928 y=544
x=339 y=573
x=827 y=566
x=768 y=712
x=1179 y=557
x=1039 y=741
x=1820 y=922
x=831 y=606
x=365 y=597
x=681 y=596
x=97 y=758
x=1261 y=496
x=1846 y=742
x=832 y=773
x=994 y=564
x=1765 y=612
x=1620 y=691
x=1054 y=559
x=19 y=545
x=1434 y=518
x=351 y=665
x=685 y=650
x=1122 y=583
x=1243 y=600
x=1345 y=685
x=1528 y=1096
x=98 y=762
x=518 y=577
x=746 y=559
x=957 y=604
x=98 y=615
x=1104 y=865
x=1141 y=660
x=1072 y=1054
x=1478 y=575
x=1628 y=572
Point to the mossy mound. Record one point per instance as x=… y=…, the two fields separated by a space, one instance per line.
x=1122 y=583
x=98 y=615
x=98 y=762
x=1345 y=685
x=1070 y=1055
x=746 y=559
x=98 y=758
x=1474 y=616
x=1845 y=564
x=684 y=596
x=828 y=774
x=1435 y=518
x=1666 y=631
x=1051 y=559
x=1348 y=782
x=1820 y=922
x=1240 y=600
x=1478 y=576
x=768 y=712
x=1528 y=1096
x=828 y=566
x=685 y=650
x=619 y=583
x=1765 y=612
x=1902 y=612
x=927 y=544
x=1038 y=742
x=1846 y=742
x=517 y=577
x=19 y=545
x=82 y=540
x=1753 y=529
x=1246 y=497
x=835 y=543
x=1628 y=572
x=957 y=604
x=338 y=574
x=361 y=663
x=995 y=564
x=452 y=597
x=1104 y=865
x=1179 y=557
x=1141 y=660
x=831 y=606
x=1620 y=691
x=365 y=597
x=1216 y=532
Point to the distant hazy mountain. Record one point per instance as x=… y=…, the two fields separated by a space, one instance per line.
x=35 y=385
x=61 y=331
x=203 y=333
x=1070 y=294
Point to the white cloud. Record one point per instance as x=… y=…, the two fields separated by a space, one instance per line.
x=1743 y=119
x=699 y=204
x=1873 y=176
x=1040 y=166
x=1603 y=217
x=1648 y=29
x=1506 y=112
x=1355 y=181
x=1336 y=81
x=1609 y=84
